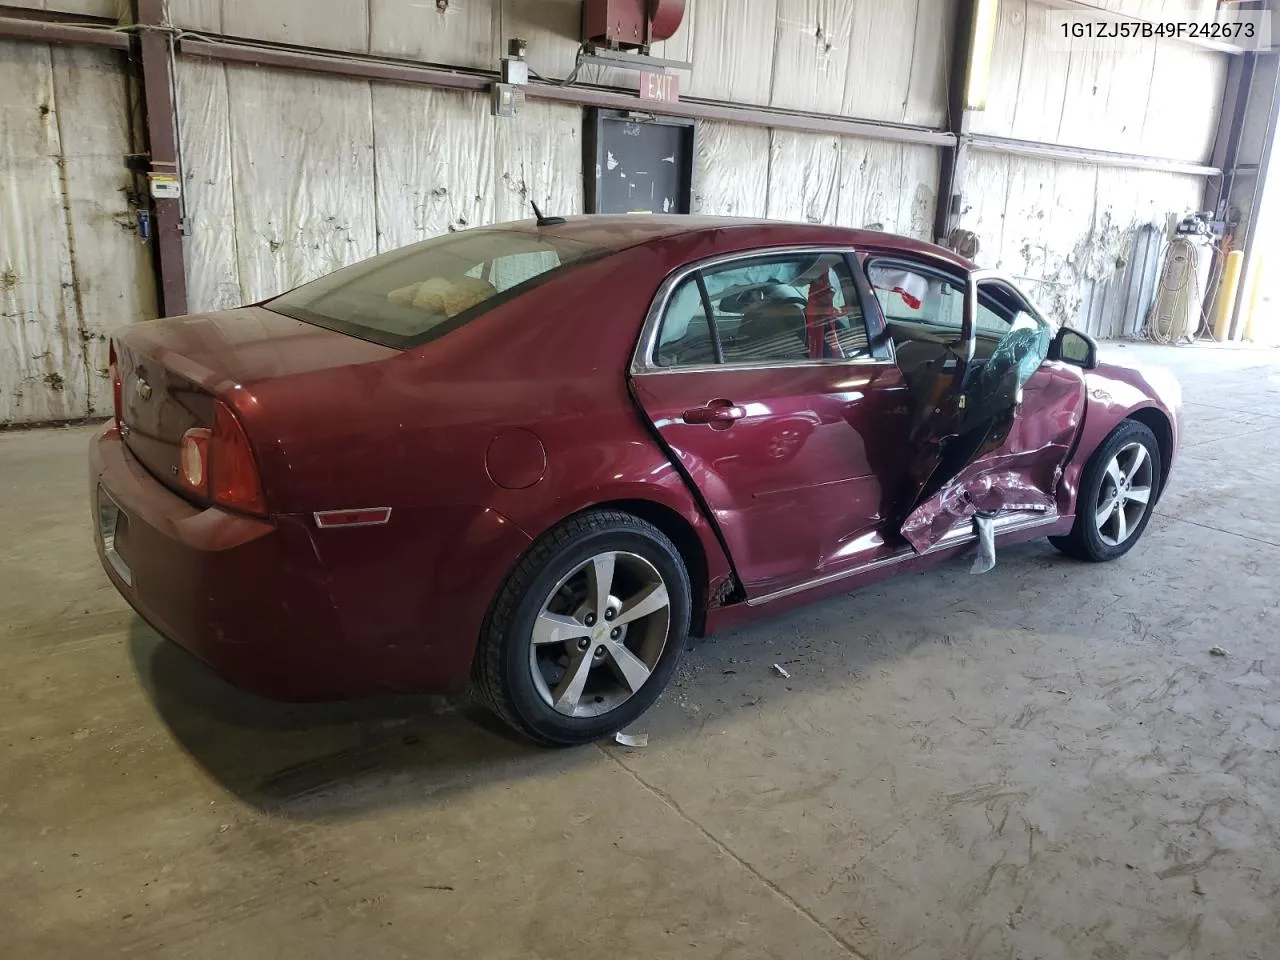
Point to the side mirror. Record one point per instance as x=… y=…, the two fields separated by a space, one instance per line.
x=1076 y=348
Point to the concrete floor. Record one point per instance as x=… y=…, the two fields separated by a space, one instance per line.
x=1044 y=762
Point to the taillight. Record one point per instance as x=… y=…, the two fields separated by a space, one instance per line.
x=117 y=391
x=219 y=464
x=233 y=476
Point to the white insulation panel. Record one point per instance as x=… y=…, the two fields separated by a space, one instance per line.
x=72 y=268
x=783 y=175
x=1156 y=97
x=85 y=8
x=290 y=175
x=1065 y=226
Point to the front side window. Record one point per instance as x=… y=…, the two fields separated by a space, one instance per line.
x=409 y=296
x=767 y=310
x=931 y=300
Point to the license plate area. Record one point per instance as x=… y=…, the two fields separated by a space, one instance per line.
x=113 y=531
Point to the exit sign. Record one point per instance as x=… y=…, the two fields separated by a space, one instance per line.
x=660 y=86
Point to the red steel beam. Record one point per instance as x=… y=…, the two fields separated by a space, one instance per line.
x=162 y=141
x=41 y=30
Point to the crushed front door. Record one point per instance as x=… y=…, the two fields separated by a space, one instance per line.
x=994 y=440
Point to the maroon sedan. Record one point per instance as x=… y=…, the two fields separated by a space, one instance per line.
x=536 y=456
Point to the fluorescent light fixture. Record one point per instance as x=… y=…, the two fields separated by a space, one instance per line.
x=985 y=15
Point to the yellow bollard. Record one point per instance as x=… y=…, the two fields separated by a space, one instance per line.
x=1227 y=294
x=1255 y=294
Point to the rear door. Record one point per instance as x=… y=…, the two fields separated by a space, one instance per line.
x=771 y=384
x=999 y=436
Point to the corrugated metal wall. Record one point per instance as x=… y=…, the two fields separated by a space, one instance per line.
x=71 y=266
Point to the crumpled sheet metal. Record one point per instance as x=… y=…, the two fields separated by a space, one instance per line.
x=993 y=492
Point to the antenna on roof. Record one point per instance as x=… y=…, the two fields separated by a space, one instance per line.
x=544 y=221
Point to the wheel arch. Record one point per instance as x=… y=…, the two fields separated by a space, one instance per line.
x=1158 y=422
x=680 y=532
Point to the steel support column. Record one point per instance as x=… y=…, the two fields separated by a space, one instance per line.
x=162 y=142
x=955 y=158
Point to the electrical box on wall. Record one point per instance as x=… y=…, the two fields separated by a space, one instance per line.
x=507 y=99
x=164 y=186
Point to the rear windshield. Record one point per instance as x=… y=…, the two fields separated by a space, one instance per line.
x=415 y=294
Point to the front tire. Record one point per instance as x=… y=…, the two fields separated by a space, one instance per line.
x=1118 y=491
x=586 y=631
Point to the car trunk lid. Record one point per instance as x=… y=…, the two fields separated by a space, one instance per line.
x=173 y=371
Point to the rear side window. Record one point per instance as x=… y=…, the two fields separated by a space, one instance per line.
x=415 y=294
x=768 y=310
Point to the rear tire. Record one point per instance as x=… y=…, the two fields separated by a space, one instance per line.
x=586 y=631
x=1111 y=512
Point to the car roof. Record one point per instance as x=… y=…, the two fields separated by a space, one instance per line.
x=623 y=231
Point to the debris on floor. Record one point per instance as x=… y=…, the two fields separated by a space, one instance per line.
x=632 y=739
x=778 y=669
x=1217 y=652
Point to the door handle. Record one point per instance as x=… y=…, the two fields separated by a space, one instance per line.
x=717 y=413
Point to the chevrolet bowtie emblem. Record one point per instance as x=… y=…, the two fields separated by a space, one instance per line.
x=144 y=389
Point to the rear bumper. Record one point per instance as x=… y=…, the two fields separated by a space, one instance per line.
x=282 y=612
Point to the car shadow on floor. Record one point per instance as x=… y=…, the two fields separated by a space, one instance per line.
x=321 y=760
x=324 y=761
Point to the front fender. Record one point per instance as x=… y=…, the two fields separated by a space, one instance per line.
x=1115 y=394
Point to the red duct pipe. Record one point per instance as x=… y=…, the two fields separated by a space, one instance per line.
x=665 y=17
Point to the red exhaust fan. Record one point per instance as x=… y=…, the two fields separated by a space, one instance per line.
x=630 y=24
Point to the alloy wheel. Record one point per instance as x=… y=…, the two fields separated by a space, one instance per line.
x=1125 y=494
x=600 y=634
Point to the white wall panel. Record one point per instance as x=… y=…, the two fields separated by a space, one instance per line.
x=804 y=177
x=880 y=57
x=733 y=49
x=435 y=162
x=1103 y=109
x=731 y=176
x=538 y=155
x=204 y=133
x=930 y=63
x=461 y=34
x=889 y=185
x=1182 y=111
x=196 y=14
x=1062 y=227
x=812 y=54
x=1042 y=79
x=335 y=24
x=1156 y=97
x=42 y=369
x=88 y=8
x=302 y=171
x=114 y=277
x=71 y=266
